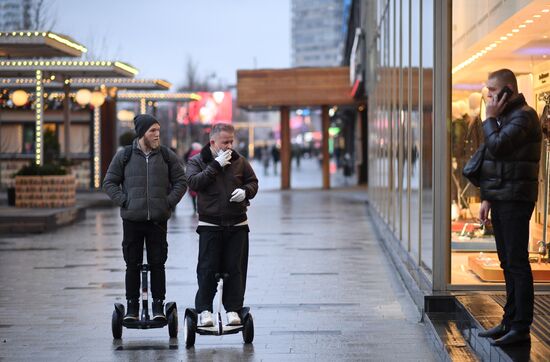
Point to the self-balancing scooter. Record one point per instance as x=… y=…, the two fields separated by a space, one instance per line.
x=171 y=311
x=191 y=327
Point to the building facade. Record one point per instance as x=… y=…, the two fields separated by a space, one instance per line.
x=425 y=66
x=318 y=31
x=15 y=14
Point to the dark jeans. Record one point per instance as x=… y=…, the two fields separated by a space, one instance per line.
x=154 y=236
x=511 y=226
x=222 y=250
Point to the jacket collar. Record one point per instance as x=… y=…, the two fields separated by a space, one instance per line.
x=206 y=154
x=135 y=146
x=515 y=103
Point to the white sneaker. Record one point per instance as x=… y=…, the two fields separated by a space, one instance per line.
x=205 y=319
x=233 y=319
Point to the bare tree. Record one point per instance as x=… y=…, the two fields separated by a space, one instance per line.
x=99 y=48
x=39 y=15
x=194 y=81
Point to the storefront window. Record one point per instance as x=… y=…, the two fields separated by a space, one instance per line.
x=399 y=84
x=485 y=38
x=426 y=144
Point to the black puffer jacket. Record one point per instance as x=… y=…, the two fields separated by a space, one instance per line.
x=511 y=162
x=146 y=188
x=215 y=184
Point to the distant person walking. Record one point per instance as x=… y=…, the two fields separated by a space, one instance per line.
x=276 y=155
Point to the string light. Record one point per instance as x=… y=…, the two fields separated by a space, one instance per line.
x=72 y=64
x=97 y=148
x=57 y=37
x=503 y=38
x=38 y=116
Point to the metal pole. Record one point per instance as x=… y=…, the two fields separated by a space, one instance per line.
x=67 y=117
x=324 y=147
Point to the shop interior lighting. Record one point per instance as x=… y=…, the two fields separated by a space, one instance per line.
x=493 y=45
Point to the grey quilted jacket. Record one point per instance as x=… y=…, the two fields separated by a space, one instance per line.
x=147 y=188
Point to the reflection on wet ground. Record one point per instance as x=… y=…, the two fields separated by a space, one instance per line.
x=319 y=287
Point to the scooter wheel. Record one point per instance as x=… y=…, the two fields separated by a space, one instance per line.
x=173 y=324
x=248 y=329
x=116 y=325
x=189 y=331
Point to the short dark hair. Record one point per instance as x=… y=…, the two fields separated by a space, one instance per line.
x=505 y=76
x=221 y=127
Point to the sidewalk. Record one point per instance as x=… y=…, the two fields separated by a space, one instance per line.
x=320 y=289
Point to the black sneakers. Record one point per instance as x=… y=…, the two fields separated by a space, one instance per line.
x=158 y=310
x=132 y=311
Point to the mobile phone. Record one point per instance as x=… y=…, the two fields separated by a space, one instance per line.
x=504 y=90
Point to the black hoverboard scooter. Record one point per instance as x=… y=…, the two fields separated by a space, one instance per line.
x=171 y=311
x=190 y=325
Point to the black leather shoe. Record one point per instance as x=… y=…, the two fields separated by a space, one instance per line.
x=512 y=337
x=495 y=332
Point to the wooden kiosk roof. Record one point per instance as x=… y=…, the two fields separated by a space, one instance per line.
x=294 y=87
x=38 y=44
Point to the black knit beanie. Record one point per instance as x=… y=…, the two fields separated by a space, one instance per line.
x=143 y=122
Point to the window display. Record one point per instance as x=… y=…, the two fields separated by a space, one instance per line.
x=502 y=37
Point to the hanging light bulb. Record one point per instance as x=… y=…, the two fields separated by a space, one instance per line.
x=97 y=99
x=19 y=97
x=83 y=97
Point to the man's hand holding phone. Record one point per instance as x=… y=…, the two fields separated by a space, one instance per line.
x=496 y=104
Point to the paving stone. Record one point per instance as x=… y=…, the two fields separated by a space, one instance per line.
x=320 y=288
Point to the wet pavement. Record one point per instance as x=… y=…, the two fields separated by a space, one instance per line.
x=320 y=288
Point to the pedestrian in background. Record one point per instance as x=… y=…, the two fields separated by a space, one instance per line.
x=225 y=182
x=147 y=181
x=276 y=155
x=509 y=187
x=194 y=150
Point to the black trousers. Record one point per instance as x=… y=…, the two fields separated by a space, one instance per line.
x=154 y=236
x=222 y=250
x=511 y=226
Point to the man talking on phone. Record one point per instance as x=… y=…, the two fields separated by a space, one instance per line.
x=509 y=186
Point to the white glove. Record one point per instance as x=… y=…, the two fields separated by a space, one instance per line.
x=238 y=195
x=224 y=157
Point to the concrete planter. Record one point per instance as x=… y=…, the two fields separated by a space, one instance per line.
x=45 y=191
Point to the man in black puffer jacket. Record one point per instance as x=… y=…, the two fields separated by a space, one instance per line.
x=225 y=182
x=509 y=185
x=147 y=183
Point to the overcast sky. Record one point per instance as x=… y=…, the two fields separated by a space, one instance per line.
x=157 y=36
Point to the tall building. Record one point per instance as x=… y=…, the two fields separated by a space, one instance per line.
x=318 y=31
x=15 y=15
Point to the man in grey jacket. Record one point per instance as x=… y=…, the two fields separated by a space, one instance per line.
x=225 y=182
x=146 y=181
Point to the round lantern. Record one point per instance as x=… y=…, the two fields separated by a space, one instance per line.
x=83 y=97
x=125 y=115
x=98 y=99
x=19 y=97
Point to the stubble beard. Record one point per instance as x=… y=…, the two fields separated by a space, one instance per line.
x=152 y=144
